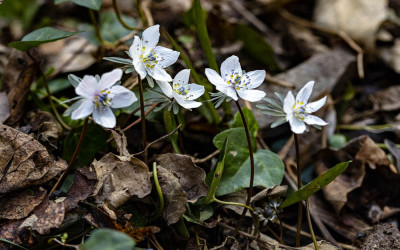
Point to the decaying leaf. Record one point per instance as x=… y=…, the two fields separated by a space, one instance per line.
x=4 y=107
x=18 y=205
x=11 y=231
x=275 y=191
x=24 y=161
x=230 y=242
x=175 y=197
x=190 y=176
x=119 y=179
x=49 y=215
x=121 y=141
x=45 y=127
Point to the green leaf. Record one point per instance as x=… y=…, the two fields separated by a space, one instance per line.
x=94 y=141
x=256 y=46
x=251 y=121
x=170 y=125
x=40 y=36
x=111 y=29
x=91 y=4
x=268 y=172
x=108 y=239
x=55 y=86
x=315 y=185
x=337 y=141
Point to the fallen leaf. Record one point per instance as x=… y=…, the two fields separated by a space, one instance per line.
x=45 y=127
x=190 y=176
x=4 y=107
x=82 y=187
x=119 y=179
x=175 y=197
x=275 y=191
x=230 y=242
x=49 y=215
x=121 y=141
x=24 y=161
x=19 y=204
x=11 y=231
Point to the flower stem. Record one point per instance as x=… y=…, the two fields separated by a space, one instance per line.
x=180 y=140
x=234 y=204
x=73 y=158
x=143 y=116
x=300 y=205
x=250 y=190
x=118 y=13
x=159 y=192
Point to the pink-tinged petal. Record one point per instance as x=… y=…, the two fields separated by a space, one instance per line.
x=253 y=79
x=165 y=87
x=195 y=91
x=215 y=79
x=88 y=87
x=314 y=106
x=305 y=93
x=288 y=103
x=297 y=126
x=83 y=111
x=230 y=66
x=121 y=97
x=150 y=38
x=159 y=74
x=166 y=57
x=187 y=104
x=110 y=78
x=182 y=78
x=314 y=120
x=140 y=68
x=136 y=48
x=251 y=95
x=104 y=117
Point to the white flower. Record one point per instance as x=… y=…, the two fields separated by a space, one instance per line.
x=98 y=97
x=149 y=58
x=298 y=110
x=183 y=92
x=233 y=82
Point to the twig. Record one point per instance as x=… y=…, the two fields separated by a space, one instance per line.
x=65 y=244
x=249 y=16
x=146 y=11
x=139 y=119
x=279 y=82
x=208 y=157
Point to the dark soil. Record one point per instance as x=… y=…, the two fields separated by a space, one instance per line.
x=383 y=236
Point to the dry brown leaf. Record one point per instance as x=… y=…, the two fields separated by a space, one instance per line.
x=190 y=176
x=4 y=107
x=121 y=141
x=82 y=187
x=45 y=128
x=49 y=215
x=24 y=161
x=119 y=179
x=11 y=231
x=229 y=243
x=274 y=191
x=175 y=197
x=18 y=205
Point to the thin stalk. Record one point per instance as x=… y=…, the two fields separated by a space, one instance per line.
x=310 y=225
x=73 y=158
x=299 y=184
x=49 y=95
x=118 y=13
x=159 y=192
x=250 y=190
x=97 y=29
x=143 y=116
x=141 y=13
x=234 y=204
x=180 y=139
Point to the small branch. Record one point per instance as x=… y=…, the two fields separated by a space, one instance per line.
x=65 y=244
x=279 y=82
x=118 y=13
x=208 y=157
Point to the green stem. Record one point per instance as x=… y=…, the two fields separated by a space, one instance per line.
x=180 y=139
x=299 y=184
x=143 y=116
x=234 y=203
x=215 y=182
x=159 y=192
x=250 y=190
x=118 y=13
x=310 y=225
x=97 y=29
x=141 y=14
x=73 y=158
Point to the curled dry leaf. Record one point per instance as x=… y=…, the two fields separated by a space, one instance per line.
x=24 y=161
x=275 y=191
x=45 y=127
x=190 y=176
x=119 y=179
x=230 y=242
x=175 y=197
x=19 y=204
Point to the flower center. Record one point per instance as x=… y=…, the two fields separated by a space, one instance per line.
x=300 y=110
x=238 y=81
x=181 y=90
x=151 y=59
x=103 y=99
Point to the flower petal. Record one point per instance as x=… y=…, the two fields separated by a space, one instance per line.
x=253 y=79
x=182 y=78
x=314 y=120
x=229 y=91
x=140 y=68
x=297 y=126
x=251 y=95
x=159 y=74
x=187 y=104
x=229 y=66
x=166 y=57
x=150 y=38
x=165 y=87
x=121 y=97
x=195 y=91
x=87 y=87
x=288 y=103
x=110 y=78
x=305 y=93
x=104 y=117
x=314 y=106
x=215 y=79
x=135 y=49
x=83 y=111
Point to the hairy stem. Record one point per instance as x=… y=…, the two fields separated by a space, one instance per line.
x=250 y=190
x=73 y=158
x=143 y=116
x=118 y=13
